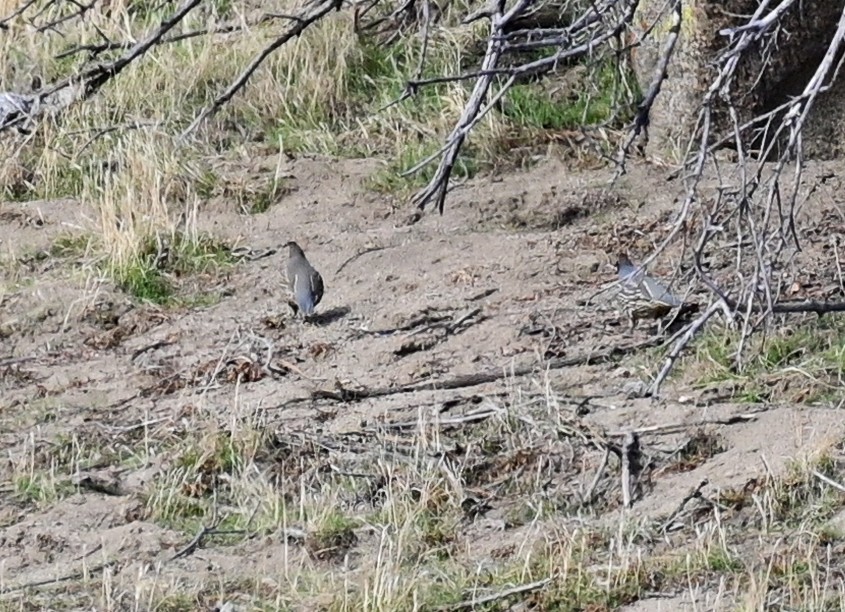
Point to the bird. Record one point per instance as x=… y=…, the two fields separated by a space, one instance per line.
x=304 y=281
x=644 y=296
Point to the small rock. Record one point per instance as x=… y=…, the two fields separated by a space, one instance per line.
x=634 y=388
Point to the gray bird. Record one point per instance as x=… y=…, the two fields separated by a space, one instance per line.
x=304 y=281
x=644 y=296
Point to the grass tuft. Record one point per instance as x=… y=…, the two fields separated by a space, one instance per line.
x=803 y=362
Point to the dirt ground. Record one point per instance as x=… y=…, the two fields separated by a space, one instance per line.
x=492 y=288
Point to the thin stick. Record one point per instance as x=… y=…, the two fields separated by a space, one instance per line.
x=479 y=601
x=301 y=22
x=827 y=480
x=588 y=495
x=695 y=493
x=630 y=464
x=680 y=345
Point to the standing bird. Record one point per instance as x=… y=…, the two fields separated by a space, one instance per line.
x=304 y=281
x=644 y=296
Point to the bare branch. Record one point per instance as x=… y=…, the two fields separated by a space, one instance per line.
x=301 y=22
x=581 y=38
x=757 y=211
x=641 y=120
x=19 y=11
x=83 y=86
x=95 y=50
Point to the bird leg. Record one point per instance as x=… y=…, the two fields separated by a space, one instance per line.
x=293 y=306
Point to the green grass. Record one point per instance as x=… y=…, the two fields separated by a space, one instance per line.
x=154 y=275
x=799 y=362
x=531 y=107
x=389 y=179
x=263 y=200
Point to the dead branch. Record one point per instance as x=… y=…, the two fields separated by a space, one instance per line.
x=94 y=50
x=758 y=213
x=342 y=394
x=301 y=21
x=94 y=79
x=437 y=187
x=471 y=604
x=680 y=345
x=80 y=87
x=630 y=467
x=19 y=11
x=80 y=12
x=641 y=120
x=584 y=36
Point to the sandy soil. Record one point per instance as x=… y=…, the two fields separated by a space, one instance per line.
x=492 y=286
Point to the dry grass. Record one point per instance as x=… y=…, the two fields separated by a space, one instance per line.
x=386 y=523
x=386 y=520
x=324 y=92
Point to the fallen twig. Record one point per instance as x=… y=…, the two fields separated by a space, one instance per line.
x=193 y=544
x=449 y=327
x=679 y=427
x=587 y=498
x=829 y=481
x=360 y=254
x=342 y=394
x=87 y=571
x=695 y=493
x=472 y=417
x=479 y=601
x=204 y=531
x=630 y=467
x=9 y=361
x=150 y=347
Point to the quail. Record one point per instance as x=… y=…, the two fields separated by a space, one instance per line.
x=644 y=296
x=304 y=281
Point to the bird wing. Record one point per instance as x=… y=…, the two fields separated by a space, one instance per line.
x=303 y=294
x=636 y=280
x=658 y=292
x=316 y=282
x=290 y=271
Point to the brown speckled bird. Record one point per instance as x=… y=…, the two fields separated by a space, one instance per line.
x=644 y=296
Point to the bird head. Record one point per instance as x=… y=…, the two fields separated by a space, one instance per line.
x=623 y=261
x=293 y=248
